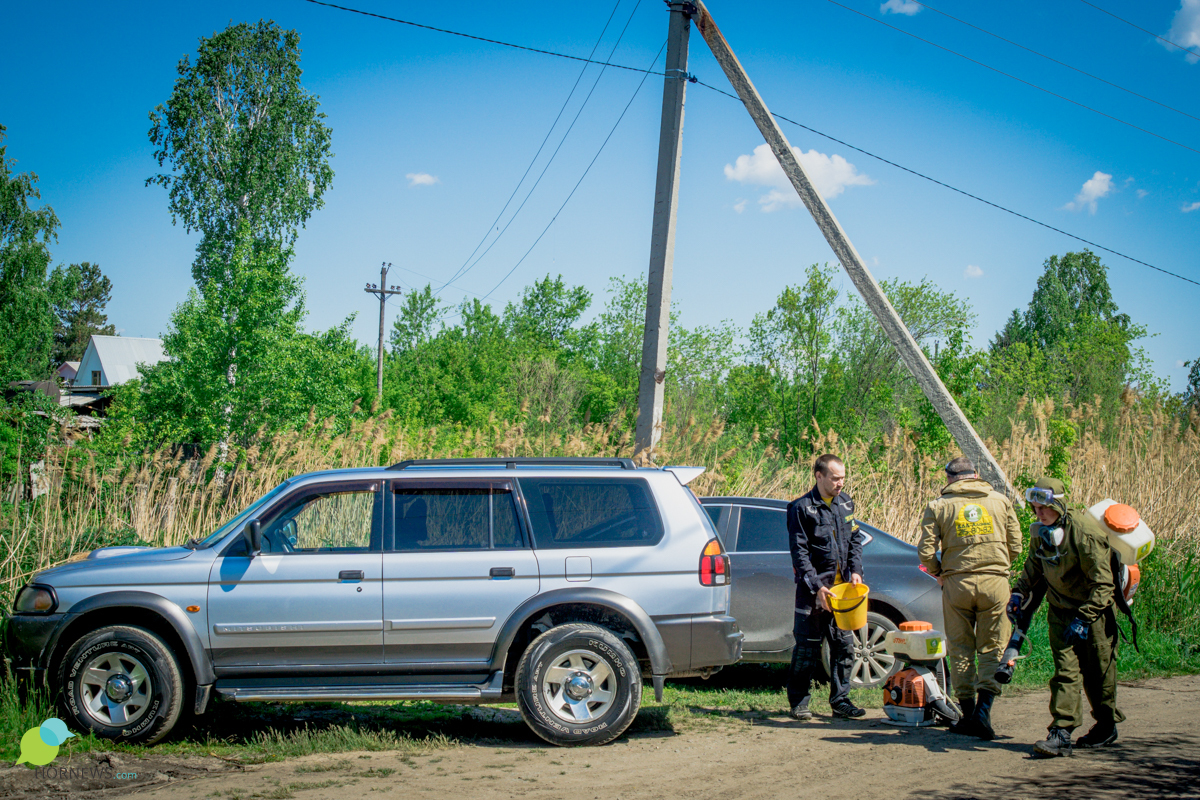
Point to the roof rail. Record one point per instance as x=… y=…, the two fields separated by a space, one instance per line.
x=518 y=461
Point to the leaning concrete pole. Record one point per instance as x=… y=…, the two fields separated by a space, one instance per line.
x=662 y=236
x=912 y=355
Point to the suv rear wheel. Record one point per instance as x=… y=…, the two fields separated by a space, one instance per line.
x=122 y=682
x=578 y=684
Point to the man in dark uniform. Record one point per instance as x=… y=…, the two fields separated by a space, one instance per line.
x=826 y=549
x=1070 y=555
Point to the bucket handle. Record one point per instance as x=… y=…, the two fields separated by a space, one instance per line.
x=861 y=600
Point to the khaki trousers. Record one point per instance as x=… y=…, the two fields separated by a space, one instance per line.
x=976 y=625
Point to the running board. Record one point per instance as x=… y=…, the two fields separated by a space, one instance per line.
x=464 y=692
x=337 y=693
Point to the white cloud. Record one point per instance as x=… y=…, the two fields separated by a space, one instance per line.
x=421 y=179
x=1141 y=193
x=1185 y=30
x=1190 y=207
x=830 y=175
x=1096 y=187
x=739 y=206
x=972 y=271
x=905 y=7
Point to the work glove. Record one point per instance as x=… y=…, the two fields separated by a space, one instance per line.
x=1077 y=631
x=1014 y=606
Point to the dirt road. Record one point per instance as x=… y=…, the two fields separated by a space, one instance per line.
x=1158 y=755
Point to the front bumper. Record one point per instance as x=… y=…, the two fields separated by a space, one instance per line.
x=26 y=637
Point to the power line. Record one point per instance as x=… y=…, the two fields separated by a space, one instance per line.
x=1014 y=77
x=647 y=72
x=560 y=144
x=463 y=268
x=959 y=191
x=585 y=172
x=476 y=38
x=1054 y=60
x=1187 y=50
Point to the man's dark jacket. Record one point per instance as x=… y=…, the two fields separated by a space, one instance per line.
x=824 y=541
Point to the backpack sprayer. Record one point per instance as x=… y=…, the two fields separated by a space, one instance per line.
x=915 y=697
x=1131 y=540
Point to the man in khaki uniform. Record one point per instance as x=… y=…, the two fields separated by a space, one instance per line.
x=977 y=531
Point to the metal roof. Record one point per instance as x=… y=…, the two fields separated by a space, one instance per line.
x=120 y=355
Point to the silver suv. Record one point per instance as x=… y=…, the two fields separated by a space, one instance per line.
x=557 y=583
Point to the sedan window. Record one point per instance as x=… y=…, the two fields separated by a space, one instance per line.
x=762 y=530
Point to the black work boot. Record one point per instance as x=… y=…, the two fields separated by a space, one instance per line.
x=963 y=726
x=800 y=711
x=847 y=710
x=1056 y=743
x=981 y=720
x=1101 y=734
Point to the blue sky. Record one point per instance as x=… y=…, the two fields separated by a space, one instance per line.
x=432 y=133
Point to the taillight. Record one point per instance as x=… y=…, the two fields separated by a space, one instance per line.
x=714 y=565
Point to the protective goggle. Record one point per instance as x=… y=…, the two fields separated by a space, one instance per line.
x=1041 y=495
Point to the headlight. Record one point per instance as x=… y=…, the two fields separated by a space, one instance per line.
x=35 y=600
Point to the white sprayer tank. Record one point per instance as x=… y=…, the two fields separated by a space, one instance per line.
x=1128 y=533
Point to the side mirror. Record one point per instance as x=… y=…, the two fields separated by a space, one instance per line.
x=254 y=537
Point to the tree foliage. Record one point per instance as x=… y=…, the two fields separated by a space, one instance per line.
x=78 y=293
x=246 y=144
x=25 y=237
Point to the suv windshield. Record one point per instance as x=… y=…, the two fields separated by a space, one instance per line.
x=218 y=534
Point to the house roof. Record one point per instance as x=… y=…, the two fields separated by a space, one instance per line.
x=120 y=355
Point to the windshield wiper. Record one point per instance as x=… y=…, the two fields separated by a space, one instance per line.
x=192 y=543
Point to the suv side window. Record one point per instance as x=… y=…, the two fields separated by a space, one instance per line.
x=762 y=530
x=469 y=515
x=323 y=520
x=585 y=512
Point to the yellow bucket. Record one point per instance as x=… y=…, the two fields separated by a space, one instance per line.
x=849 y=605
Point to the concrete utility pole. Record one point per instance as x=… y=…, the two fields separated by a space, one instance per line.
x=382 y=291
x=662 y=236
x=943 y=402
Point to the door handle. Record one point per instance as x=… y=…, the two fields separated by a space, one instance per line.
x=350 y=575
x=503 y=572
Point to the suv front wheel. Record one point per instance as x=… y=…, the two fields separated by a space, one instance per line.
x=122 y=682
x=578 y=684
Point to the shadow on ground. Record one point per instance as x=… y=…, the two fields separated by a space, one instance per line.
x=1168 y=767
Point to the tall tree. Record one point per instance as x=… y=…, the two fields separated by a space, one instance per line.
x=78 y=294
x=245 y=142
x=1073 y=320
x=25 y=236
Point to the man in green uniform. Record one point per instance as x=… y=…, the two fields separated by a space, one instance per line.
x=1070 y=554
x=979 y=536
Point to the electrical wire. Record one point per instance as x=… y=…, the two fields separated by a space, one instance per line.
x=560 y=144
x=641 y=83
x=1187 y=50
x=957 y=190
x=1014 y=77
x=463 y=268
x=470 y=36
x=647 y=72
x=1055 y=60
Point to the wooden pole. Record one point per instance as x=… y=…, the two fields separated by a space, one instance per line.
x=910 y=352
x=662 y=236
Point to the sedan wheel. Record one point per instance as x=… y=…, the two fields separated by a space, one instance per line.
x=872 y=663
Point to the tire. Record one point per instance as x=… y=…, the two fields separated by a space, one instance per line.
x=122 y=682
x=606 y=684
x=871 y=665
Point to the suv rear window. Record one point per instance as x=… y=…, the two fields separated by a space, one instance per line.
x=584 y=512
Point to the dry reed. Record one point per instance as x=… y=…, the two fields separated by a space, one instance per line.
x=1143 y=458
